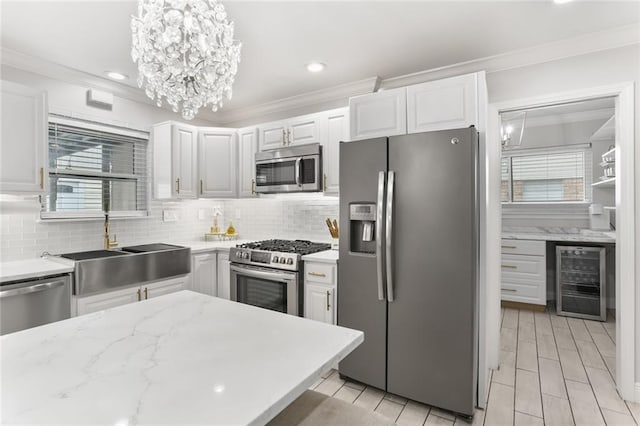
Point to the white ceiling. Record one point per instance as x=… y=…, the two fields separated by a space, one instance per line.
x=356 y=39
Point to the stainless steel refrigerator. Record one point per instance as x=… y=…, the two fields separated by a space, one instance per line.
x=408 y=265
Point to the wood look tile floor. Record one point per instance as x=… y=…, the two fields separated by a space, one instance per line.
x=554 y=371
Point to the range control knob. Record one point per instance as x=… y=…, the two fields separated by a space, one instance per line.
x=289 y=261
x=282 y=260
x=275 y=259
x=245 y=255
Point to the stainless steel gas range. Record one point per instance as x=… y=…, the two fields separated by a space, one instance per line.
x=269 y=274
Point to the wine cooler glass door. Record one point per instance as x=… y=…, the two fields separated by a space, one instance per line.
x=581 y=277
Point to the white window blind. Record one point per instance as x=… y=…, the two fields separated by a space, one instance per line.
x=95 y=169
x=554 y=176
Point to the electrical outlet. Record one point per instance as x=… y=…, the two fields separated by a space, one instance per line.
x=169 y=216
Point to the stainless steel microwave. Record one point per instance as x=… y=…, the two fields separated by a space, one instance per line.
x=292 y=169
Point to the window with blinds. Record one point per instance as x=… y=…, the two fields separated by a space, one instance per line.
x=555 y=176
x=94 y=169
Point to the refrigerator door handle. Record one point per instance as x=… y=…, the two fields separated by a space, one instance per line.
x=379 y=210
x=389 y=235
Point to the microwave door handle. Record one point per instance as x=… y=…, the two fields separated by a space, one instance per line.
x=297 y=171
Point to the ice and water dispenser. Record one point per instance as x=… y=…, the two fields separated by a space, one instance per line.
x=362 y=223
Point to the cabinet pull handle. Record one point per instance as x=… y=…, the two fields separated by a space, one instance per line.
x=41 y=177
x=201 y=187
x=139 y=295
x=509 y=267
x=317 y=274
x=146 y=293
x=324 y=183
x=253 y=187
x=178 y=185
x=509 y=247
x=288 y=136
x=328 y=296
x=284 y=137
x=510 y=290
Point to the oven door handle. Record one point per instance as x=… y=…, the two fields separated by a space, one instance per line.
x=259 y=273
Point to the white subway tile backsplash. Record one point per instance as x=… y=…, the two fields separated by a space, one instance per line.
x=24 y=235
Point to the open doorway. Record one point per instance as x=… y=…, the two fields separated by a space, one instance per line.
x=532 y=181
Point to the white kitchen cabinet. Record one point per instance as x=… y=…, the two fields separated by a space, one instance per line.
x=23 y=147
x=320 y=291
x=319 y=303
x=217 y=163
x=111 y=299
x=450 y=103
x=300 y=130
x=378 y=114
x=272 y=135
x=175 y=167
x=224 y=276
x=247 y=148
x=159 y=288
x=335 y=129
x=524 y=271
x=204 y=273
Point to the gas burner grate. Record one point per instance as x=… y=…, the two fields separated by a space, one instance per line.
x=300 y=247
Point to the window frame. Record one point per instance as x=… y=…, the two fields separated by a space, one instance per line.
x=586 y=149
x=98 y=214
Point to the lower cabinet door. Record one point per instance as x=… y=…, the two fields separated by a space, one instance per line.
x=159 y=288
x=224 y=276
x=319 y=302
x=204 y=274
x=111 y=299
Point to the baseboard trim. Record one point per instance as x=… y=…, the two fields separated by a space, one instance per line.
x=520 y=305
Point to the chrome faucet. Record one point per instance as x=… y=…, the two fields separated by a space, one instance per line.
x=108 y=243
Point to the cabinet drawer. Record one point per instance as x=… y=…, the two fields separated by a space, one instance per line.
x=528 y=247
x=526 y=293
x=319 y=272
x=523 y=267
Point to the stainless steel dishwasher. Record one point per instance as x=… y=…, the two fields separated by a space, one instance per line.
x=30 y=303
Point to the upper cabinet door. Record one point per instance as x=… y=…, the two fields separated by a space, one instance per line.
x=272 y=135
x=337 y=130
x=23 y=147
x=451 y=103
x=217 y=153
x=303 y=130
x=184 y=166
x=247 y=148
x=378 y=114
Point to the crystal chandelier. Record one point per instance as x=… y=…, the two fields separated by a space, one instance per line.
x=185 y=52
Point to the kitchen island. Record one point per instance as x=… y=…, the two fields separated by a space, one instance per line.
x=183 y=358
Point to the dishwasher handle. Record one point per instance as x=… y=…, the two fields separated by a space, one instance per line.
x=36 y=288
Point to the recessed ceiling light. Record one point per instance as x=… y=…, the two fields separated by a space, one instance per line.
x=561 y=1
x=116 y=75
x=315 y=66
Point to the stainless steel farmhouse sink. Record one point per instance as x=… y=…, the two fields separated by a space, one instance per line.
x=101 y=270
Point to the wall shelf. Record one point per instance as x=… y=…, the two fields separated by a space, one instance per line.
x=607 y=183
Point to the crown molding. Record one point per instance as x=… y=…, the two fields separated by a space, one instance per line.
x=588 y=43
x=342 y=91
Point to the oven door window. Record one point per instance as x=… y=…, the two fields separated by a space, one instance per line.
x=262 y=293
x=277 y=173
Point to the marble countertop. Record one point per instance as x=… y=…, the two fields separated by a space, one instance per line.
x=34 y=268
x=559 y=234
x=327 y=256
x=182 y=358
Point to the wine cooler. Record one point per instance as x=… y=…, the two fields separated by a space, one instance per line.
x=581 y=282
